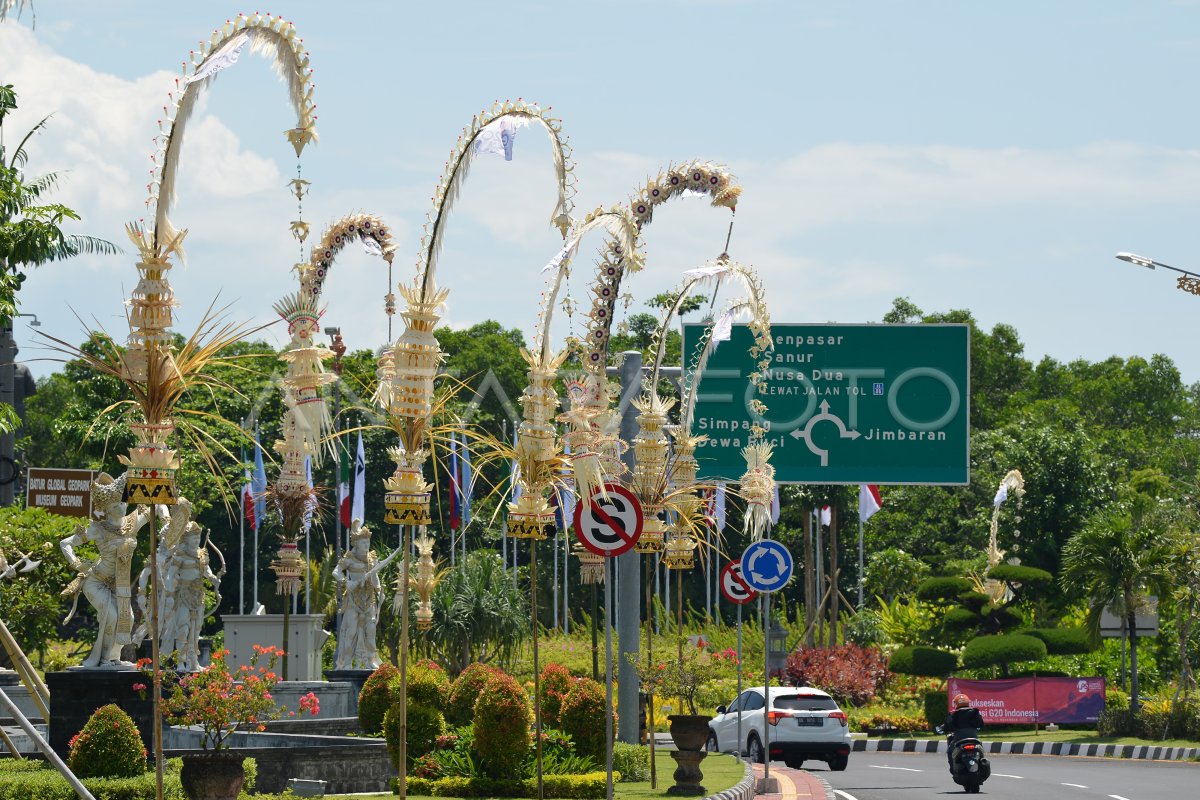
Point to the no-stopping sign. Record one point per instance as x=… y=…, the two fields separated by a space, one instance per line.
x=733 y=587
x=609 y=526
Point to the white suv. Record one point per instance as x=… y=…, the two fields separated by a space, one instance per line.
x=802 y=723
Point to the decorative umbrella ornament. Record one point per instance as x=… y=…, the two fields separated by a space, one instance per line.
x=425 y=582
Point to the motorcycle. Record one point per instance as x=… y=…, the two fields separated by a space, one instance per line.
x=968 y=765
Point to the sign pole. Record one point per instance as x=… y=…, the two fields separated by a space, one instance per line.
x=738 y=750
x=766 y=784
x=608 y=683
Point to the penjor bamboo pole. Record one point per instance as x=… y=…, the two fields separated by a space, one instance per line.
x=29 y=676
x=537 y=679
x=155 y=655
x=649 y=669
x=406 y=538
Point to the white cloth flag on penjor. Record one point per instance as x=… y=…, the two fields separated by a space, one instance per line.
x=567 y=252
x=226 y=56
x=371 y=246
x=497 y=136
x=722 y=329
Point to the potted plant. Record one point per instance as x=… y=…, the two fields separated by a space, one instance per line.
x=219 y=701
x=682 y=677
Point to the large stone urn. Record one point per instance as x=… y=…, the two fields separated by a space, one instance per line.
x=212 y=776
x=689 y=732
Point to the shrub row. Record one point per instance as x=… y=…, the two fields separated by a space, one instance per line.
x=590 y=786
x=46 y=784
x=900 y=723
x=1153 y=720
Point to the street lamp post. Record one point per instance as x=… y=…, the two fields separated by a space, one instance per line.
x=1188 y=281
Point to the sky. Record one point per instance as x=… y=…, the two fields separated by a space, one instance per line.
x=983 y=156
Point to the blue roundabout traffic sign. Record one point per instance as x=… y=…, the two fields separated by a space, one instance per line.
x=766 y=566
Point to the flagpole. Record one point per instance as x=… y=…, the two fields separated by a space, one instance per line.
x=257 y=522
x=860 y=561
x=242 y=540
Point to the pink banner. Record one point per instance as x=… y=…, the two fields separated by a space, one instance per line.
x=1023 y=701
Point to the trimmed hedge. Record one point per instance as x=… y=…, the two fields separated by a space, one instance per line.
x=987 y=651
x=1019 y=573
x=632 y=761
x=937 y=707
x=1007 y=617
x=590 y=786
x=943 y=590
x=35 y=780
x=375 y=698
x=961 y=618
x=926 y=661
x=975 y=601
x=1063 y=641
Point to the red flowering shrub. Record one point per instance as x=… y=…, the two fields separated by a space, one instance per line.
x=460 y=704
x=501 y=726
x=109 y=746
x=425 y=726
x=582 y=716
x=556 y=682
x=427 y=685
x=850 y=673
x=375 y=697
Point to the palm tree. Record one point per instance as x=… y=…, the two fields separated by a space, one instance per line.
x=1120 y=556
x=30 y=232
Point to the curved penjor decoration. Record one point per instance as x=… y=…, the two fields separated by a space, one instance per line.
x=273 y=37
x=618 y=258
x=372 y=231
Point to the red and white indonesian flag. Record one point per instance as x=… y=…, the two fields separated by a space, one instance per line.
x=868 y=501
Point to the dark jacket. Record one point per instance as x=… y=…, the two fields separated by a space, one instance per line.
x=963 y=719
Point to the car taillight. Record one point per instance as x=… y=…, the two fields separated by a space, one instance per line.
x=773 y=717
x=840 y=716
x=968 y=747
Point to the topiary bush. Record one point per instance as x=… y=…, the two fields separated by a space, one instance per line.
x=109 y=746
x=937 y=706
x=375 y=698
x=556 y=682
x=1063 y=641
x=501 y=725
x=988 y=651
x=1019 y=573
x=943 y=590
x=425 y=726
x=927 y=661
x=427 y=685
x=460 y=703
x=582 y=716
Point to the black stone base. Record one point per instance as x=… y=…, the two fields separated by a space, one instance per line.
x=75 y=694
x=9 y=677
x=357 y=677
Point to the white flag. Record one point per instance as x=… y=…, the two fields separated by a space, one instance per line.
x=497 y=136
x=706 y=272
x=775 y=506
x=722 y=329
x=358 y=505
x=719 y=507
x=226 y=56
x=567 y=252
x=371 y=246
x=826 y=516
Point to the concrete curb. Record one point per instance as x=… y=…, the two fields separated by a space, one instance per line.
x=828 y=789
x=742 y=790
x=1133 y=751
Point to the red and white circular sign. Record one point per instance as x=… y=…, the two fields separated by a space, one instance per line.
x=609 y=526
x=734 y=587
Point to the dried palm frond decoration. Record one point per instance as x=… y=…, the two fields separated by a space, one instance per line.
x=373 y=232
x=273 y=37
x=306 y=375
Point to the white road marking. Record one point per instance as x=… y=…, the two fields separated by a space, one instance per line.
x=846 y=795
x=906 y=769
x=1018 y=777
x=1075 y=785
x=1118 y=797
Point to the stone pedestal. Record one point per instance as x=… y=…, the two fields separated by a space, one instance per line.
x=75 y=694
x=305 y=640
x=688 y=775
x=355 y=677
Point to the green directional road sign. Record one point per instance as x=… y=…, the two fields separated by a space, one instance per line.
x=845 y=403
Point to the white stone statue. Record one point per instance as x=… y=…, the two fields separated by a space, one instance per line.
x=183 y=571
x=105 y=582
x=357 y=577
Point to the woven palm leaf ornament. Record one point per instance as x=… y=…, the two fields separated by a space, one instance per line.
x=618 y=259
x=149 y=367
x=415 y=357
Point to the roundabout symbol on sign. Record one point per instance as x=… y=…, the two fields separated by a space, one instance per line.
x=609 y=526
x=733 y=586
x=766 y=566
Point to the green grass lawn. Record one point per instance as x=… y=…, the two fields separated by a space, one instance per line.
x=721 y=772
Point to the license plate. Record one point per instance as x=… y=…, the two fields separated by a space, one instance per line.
x=815 y=722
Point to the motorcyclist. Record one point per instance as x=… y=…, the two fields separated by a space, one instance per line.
x=963 y=722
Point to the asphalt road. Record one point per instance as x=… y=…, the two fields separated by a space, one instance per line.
x=907 y=776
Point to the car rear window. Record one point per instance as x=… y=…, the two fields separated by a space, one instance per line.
x=805 y=702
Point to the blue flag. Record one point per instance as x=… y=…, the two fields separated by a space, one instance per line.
x=258 y=487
